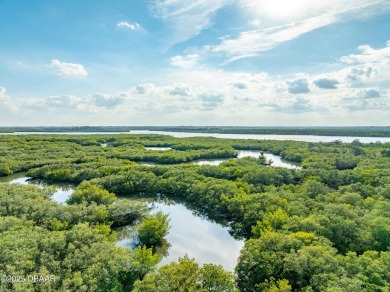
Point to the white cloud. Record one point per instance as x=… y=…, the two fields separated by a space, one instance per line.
x=2 y=91
x=296 y=105
x=362 y=104
x=106 y=100
x=68 y=69
x=251 y=43
x=369 y=55
x=145 y=88
x=69 y=103
x=240 y=85
x=368 y=64
x=282 y=11
x=326 y=83
x=211 y=101
x=368 y=69
x=6 y=103
x=185 y=62
x=298 y=86
x=368 y=93
x=131 y=26
x=181 y=90
x=186 y=19
x=293 y=19
x=214 y=96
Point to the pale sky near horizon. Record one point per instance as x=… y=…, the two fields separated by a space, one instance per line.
x=200 y=62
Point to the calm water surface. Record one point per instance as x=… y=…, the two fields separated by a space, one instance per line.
x=277 y=161
x=304 y=138
x=206 y=241
x=61 y=194
x=158 y=148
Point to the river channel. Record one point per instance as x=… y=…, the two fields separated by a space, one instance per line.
x=200 y=238
x=275 y=160
x=204 y=240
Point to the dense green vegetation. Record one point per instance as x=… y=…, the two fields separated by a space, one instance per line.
x=187 y=275
x=325 y=227
x=321 y=131
x=74 y=243
x=153 y=229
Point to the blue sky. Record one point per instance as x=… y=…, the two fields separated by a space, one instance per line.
x=201 y=62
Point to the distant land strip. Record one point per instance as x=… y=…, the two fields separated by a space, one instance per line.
x=362 y=131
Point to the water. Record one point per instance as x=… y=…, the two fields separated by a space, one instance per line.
x=64 y=133
x=206 y=241
x=19 y=178
x=210 y=161
x=303 y=138
x=158 y=148
x=61 y=194
x=277 y=161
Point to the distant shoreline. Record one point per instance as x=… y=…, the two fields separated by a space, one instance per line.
x=366 y=131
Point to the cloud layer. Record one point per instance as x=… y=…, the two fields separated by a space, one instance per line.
x=68 y=69
x=245 y=62
x=131 y=26
x=186 y=19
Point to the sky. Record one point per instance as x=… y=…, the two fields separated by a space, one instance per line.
x=199 y=62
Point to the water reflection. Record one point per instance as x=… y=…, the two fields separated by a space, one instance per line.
x=62 y=194
x=303 y=138
x=276 y=160
x=158 y=148
x=61 y=191
x=206 y=241
x=19 y=178
x=210 y=161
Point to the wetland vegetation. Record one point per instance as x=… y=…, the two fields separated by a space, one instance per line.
x=321 y=227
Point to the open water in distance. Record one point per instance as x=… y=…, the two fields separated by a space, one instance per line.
x=304 y=138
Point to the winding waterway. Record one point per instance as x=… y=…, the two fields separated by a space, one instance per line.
x=204 y=240
x=200 y=238
x=61 y=191
x=277 y=161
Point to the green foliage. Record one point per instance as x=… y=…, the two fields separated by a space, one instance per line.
x=270 y=257
x=324 y=227
x=187 y=275
x=5 y=170
x=381 y=233
x=80 y=258
x=152 y=229
x=125 y=212
x=88 y=192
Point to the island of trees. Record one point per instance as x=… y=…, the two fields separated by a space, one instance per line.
x=323 y=227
